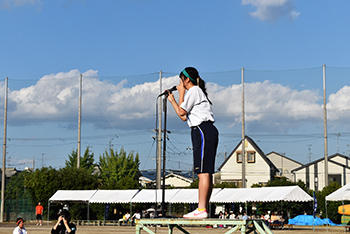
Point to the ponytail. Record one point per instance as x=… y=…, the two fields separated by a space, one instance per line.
x=193 y=75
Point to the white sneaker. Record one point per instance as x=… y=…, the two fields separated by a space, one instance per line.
x=196 y=214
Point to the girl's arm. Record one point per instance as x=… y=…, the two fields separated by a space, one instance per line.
x=179 y=111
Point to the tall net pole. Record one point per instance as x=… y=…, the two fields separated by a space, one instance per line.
x=159 y=136
x=325 y=127
x=79 y=120
x=243 y=132
x=3 y=177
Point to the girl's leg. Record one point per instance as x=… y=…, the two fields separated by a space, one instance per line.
x=204 y=190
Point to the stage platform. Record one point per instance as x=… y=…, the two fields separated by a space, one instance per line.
x=245 y=226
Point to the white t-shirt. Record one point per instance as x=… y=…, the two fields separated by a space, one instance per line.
x=17 y=230
x=137 y=216
x=197 y=106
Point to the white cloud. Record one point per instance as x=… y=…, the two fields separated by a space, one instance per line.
x=267 y=105
x=269 y=10
x=55 y=98
x=338 y=105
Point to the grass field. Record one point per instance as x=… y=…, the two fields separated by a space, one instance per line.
x=32 y=229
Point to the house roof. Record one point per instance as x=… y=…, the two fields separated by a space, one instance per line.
x=321 y=159
x=10 y=171
x=256 y=147
x=179 y=177
x=283 y=156
x=151 y=174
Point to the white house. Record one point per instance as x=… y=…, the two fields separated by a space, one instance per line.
x=171 y=180
x=312 y=174
x=177 y=181
x=259 y=168
x=284 y=164
x=145 y=182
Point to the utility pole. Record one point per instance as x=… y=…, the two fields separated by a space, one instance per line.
x=79 y=120
x=3 y=177
x=159 y=135
x=325 y=127
x=164 y=153
x=243 y=132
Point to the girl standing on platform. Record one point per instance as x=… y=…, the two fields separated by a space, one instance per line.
x=194 y=107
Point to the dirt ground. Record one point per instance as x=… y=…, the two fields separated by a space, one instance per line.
x=32 y=229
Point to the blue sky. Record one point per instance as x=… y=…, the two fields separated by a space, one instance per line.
x=120 y=46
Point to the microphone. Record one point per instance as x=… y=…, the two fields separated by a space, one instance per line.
x=168 y=90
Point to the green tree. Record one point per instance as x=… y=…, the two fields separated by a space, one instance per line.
x=18 y=200
x=15 y=189
x=332 y=207
x=119 y=170
x=86 y=161
x=77 y=179
x=225 y=185
x=195 y=182
x=42 y=184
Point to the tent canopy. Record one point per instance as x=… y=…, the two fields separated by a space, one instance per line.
x=189 y=195
x=226 y=195
x=154 y=195
x=72 y=195
x=342 y=194
x=113 y=196
x=264 y=194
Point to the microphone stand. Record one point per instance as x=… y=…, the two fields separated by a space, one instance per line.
x=164 y=153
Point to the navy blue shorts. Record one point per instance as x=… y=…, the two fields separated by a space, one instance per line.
x=205 y=138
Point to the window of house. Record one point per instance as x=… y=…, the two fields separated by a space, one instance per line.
x=251 y=156
x=334 y=178
x=239 y=157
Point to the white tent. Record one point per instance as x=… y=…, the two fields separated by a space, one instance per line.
x=341 y=194
x=264 y=194
x=153 y=195
x=189 y=195
x=72 y=195
x=113 y=196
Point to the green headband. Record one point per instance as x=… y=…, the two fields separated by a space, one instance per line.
x=187 y=75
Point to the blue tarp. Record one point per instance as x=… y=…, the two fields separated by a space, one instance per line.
x=309 y=221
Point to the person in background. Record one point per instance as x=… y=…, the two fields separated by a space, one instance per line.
x=39 y=209
x=126 y=218
x=20 y=229
x=221 y=216
x=245 y=216
x=136 y=216
x=232 y=215
x=63 y=225
x=226 y=215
